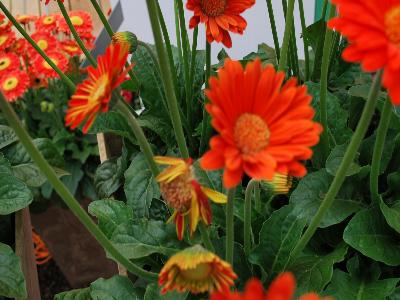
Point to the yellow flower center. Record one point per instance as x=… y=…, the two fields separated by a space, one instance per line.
x=201 y=272
x=213 y=8
x=10 y=84
x=71 y=48
x=4 y=63
x=76 y=20
x=43 y=44
x=49 y=20
x=392 y=22
x=178 y=192
x=3 y=39
x=251 y=133
x=47 y=66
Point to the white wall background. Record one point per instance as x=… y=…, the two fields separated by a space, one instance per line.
x=258 y=30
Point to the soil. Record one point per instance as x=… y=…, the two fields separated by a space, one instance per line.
x=52 y=281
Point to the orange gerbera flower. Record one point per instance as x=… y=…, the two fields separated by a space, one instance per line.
x=374 y=38
x=81 y=20
x=282 y=288
x=220 y=17
x=26 y=19
x=71 y=48
x=45 y=41
x=185 y=195
x=196 y=270
x=14 y=84
x=264 y=127
x=43 y=69
x=94 y=94
x=7 y=39
x=47 y=23
x=8 y=62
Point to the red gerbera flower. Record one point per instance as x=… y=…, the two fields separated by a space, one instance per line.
x=5 y=25
x=42 y=68
x=47 y=23
x=264 y=127
x=19 y=46
x=8 y=62
x=94 y=94
x=7 y=39
x=14 y=84
x=81 y=20
x=71 y=48
x=25 y=19
x=45 y=41
x=374 y=37
x=220 y=17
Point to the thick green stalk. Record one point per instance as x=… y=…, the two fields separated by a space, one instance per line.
x=184 y=34
x=64 y=77
x=65 y=194
x=189 y=94
x=257 y=197
x=273 y=28
x=204 y=127
x=178 y=32
x=206 y=237
x=348 y=158
x=76 y=35
x=167 y=80
x=247 y=215
x=378 y=149
x=230 y=226
x=305 y=41
x=324 y=88
x=286 y=38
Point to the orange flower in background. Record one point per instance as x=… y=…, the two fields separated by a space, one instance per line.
x=71 y=48
x=265 y=126
x=5 y=25
x=81 y=20
x=8 y=62
x=282 y=288
x=196 y=270
x=14 y=84
x=185 y=195
x=7 y=39
x=220 y=17
x=45 y=41
x=42 y=69
x=47 y=23
x=94 y=94
x=26 y=19
x=374 y=38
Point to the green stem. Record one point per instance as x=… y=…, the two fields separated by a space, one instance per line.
x=348 y=158
x=75 y=34
x=184 y=34
x=189 y=94
x=65 y=194
x=305 y=41
x=151 y=53
x=247 y=215
x=64 y=77
x=167 y=80
x=273 y=28
x=286 y=38
x=257 y=196
x=206 y=237
x=378 y=149
x=205 y=123
x=178 y=32
x=230 y=229
x=324 y=88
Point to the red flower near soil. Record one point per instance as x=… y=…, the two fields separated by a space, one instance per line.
x=7 y=39
x=81 y=20
x=220 y=17
x=14 y=84
x=42 y=69
x=374 y=37
x=265 y=127
x=47 y=23
x=8 y=63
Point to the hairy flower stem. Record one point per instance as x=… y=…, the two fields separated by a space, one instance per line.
x=286 y=38
x=230 y=228
x=273 y=28
x=65 y=194
x=340 y=176
x=257 y=197
x=324 y=88
x=64 y=77
x=167 y=80
x=305 y=41
x=247 y=215
x=378 y=149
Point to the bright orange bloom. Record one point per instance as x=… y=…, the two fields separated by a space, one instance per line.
x=220 y=17
x=94 y=94
x=264 y=127
x=282 y=288
x=374 y=37
x=7 y=40
x=45 y=41
x=42 y=68
x=196 y=270
x=47 y=23
x=25 y=19
x=185 y=195
x=14 y=84
x=71 y=48
x=8 y=62
x=81 y=20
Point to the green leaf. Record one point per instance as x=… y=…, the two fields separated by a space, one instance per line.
x=211 y=179
x=115 y=288
x=7 y=136
x=369 y=233
x=153 y=292
x=5 y=166
x=110 y=214
x=278 y=236
x=32 y=176
x=308 y=196
x=391 y=214
x=140 y=186
x=336 y=157
x=315 y=34
x=80 y=294
x=395 y=295
x=75 y=175
x=12 y=281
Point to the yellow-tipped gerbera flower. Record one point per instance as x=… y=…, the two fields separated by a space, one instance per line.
x=184 y=194
x=196 y=270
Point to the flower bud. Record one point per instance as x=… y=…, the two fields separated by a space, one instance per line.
x=126 y=37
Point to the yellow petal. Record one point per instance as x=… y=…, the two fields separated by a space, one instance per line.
x=171 y=173
x=214 y=196
x=171 y=219
x=167 y=160
x=194 y=213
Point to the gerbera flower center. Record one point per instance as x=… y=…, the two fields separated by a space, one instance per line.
x=200 y=272
x=213 y=8
x=71 y=48
x=43 y=44
x=49 y=20
x=47 y=66
x=178 y=192
x=4 y=63
x=392 y=22
x=76 y=20
x=251 y=133
x=10 y=84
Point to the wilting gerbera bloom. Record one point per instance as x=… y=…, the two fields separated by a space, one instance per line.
x=220 y=17
x=14 y=84
x=8 y=62
x=265 y=126
x=185 y=195
x=71 y=48
x=282 y=288
x=94 y=94
x=81 y=20
x=7 y=39
x=47 y=23
x=25 y=19
x=45 y=41
x=43 y=69
x=196 y=270
x=374 y=38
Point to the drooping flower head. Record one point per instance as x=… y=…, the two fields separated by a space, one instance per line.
x=265 y=126
x=8 y=62
x=282 y=288
x=196 y=270
x=374 y=38
x=94 y=94
x=220 y=17
x=185 y=195
x=43 y=69
x=47 y=23
x=7 y=40
x=126 y=37
x=14 y=84
x=81 y=20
